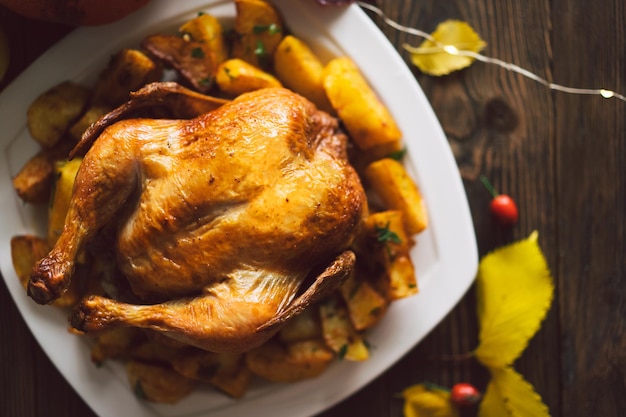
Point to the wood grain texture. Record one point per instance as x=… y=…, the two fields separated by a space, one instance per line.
x=561 y=156
x=591 y=160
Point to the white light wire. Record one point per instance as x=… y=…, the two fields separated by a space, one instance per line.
x=452 y=50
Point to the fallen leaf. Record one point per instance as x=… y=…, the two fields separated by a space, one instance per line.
x=426 y=400
x=444 y=53
x=509 y=394
x=514 y=293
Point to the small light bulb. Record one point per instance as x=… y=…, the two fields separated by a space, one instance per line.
x=606 y=93
x=451 y=49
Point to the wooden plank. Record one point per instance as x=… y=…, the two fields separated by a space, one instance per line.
x=590 y=51
x=498 y=124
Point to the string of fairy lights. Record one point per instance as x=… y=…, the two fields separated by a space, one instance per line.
x=453 y=50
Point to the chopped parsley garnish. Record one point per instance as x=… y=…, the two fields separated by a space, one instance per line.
x=342 y=351
x=271 y=29
x=229 y=73
x=139 y=391
x=384 y=235
x=376 y=311
x=260 y=49
x=398 y=155
x=197 y=53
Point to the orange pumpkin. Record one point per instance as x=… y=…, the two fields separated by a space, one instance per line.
x=75 y=12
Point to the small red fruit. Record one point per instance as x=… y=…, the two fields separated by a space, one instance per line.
x=502 y=206
x=464 y=395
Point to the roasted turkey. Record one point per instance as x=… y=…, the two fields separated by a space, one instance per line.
x=234 y=220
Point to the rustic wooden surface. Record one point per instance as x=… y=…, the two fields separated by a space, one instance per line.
x=563 y=158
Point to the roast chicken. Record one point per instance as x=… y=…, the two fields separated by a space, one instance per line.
x=233 y=221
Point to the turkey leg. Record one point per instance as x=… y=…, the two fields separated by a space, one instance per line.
x=104 y=182
x=227 y=317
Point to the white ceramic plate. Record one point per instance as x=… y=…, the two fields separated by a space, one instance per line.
x=445 y=255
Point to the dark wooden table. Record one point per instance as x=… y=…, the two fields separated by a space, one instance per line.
x=562 y=157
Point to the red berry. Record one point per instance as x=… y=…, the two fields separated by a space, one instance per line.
x=502 y=206
x=505 y=209
x=464 y=395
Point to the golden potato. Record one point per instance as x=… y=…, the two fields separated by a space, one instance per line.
x=366 y=306
x=52 y=113
x=33 y=183
x=206 y=28
x=388 y=228
x=127 y=71
x=259 y=29
x=154 y=351
x=236 y=76
x=26 y=250
x=194 y=61
x=300 y=70
x=394 y=150
x=90 y=116
x=289 y=363
x=398 y=191
x=366 y=118
x=115 y=343
x=304 y=326
x=158 y=383
x=65 y=174
x=339 y=333
x=402 y=279
x=225 y=371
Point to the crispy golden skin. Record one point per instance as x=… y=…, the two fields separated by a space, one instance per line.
x=224 y=215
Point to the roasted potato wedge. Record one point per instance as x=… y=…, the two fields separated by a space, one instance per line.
x=128 y=70
x=206 y=28
x=366 y=118
x=259 y=29
x=226 y=371
x=158 y=383
x=304 y=326
x=52 y=113
x=339 y=333
x=26 y=250
x=152 y=351
x=402 y=278
x=398 y=191
x=33 y=182
x=366 y=306
x=89 y=117
x=394 y=150
x=300 y=70
x=293 y=362
x=194 y=61
x=236 y=76
x=114 y=344
x=388 y=228
x=65 y=174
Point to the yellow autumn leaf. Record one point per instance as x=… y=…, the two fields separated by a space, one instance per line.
x=514 y=292
x=445 y=52
x=424 y=400
x=509 y=394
